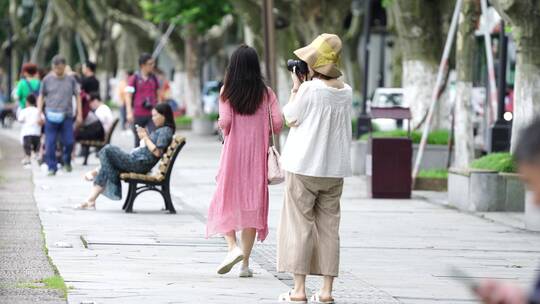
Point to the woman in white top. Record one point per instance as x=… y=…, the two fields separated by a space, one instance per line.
x=316 y=158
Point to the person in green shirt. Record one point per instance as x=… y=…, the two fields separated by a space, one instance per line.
x=28 y=84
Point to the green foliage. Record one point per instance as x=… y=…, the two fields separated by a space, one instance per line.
x=500 y=162
x=203 y=14
x=354 y=123
x=433 y=173
x=186 y=120
x=386 y=3
x=437 y=137
x=213 y=116
x=183 y=120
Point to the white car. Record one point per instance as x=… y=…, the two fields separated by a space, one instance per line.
x=388 y=98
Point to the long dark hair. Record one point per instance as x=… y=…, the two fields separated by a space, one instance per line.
x=244 y=86
x=165 y=110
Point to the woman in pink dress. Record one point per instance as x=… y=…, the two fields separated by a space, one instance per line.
x=240 y=202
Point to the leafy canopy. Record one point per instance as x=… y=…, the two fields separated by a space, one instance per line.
x=202 y=14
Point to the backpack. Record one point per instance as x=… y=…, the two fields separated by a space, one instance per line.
x=34 y=92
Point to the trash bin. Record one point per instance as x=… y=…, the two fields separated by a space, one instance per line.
x=391 y=159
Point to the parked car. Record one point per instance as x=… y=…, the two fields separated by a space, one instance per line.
x=388 y=98
x=210 y=96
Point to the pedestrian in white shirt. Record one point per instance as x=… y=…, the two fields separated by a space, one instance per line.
x=316 y=158
x=103 y=112
x=31 y=128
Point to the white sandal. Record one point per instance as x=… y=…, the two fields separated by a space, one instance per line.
x=316 y=298
x=232 y=258
x=246 y=272
x=286 y=298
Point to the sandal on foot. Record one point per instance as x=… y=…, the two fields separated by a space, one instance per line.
x=86 y=206
x=246 y=272
x=286 y=298
x=232 y=258
x=316 y=298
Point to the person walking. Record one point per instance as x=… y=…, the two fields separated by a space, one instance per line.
x=240 y=202
x=28 y=84
x=55 y=102
x=89 y=87
x=122 y=98
x=30 y=130
x=143 y=95
x=316 y=158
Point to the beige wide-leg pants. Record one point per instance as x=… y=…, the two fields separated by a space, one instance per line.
x=308 y=232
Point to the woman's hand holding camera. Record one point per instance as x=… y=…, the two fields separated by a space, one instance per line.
x=297 y=80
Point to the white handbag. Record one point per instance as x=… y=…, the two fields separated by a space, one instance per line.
x=275 y=173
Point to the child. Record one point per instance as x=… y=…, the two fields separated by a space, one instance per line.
x=31 y=129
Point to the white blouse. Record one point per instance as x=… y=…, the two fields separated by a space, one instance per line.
x=319 y=143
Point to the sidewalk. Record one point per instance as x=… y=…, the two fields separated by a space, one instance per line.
x=393 y=251
x=23 y=262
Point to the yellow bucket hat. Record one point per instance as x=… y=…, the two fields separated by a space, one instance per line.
x=322 y=55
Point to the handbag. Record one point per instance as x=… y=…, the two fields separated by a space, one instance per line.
x=275 y=173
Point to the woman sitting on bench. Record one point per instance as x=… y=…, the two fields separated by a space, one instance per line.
x=141 y=160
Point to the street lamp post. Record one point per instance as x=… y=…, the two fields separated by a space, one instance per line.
x=9 y=53
x=500 y=132
x=364 y=121
x=269 y=43
x=269 y=47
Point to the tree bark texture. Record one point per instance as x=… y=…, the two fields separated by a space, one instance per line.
x=420 y=26
x=192 y=61
x=305 y=20
x=463 y=111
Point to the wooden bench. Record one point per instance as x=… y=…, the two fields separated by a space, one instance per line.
x=98 y=144
x=159 y=181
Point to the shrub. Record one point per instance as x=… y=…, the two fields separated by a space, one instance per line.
x=436 y=137
x=213 y=116
x=500 y=162
x=433 y=173
x=183 y=120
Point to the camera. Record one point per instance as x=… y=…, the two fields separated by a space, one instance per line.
x=147 y=104
x=301 y=66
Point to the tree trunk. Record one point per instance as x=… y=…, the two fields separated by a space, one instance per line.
x=418 y=24
x=127 y=50
x=419 y=78
x=65 y=39
x=526 y=96
x=306 y=19
x=193 y=86
x=353 y=67
x=524 y=17
x=463 y=112
x=396 y=66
